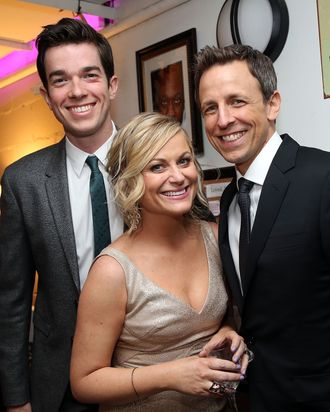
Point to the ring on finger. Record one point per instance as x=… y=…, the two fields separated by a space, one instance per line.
x=216 y=387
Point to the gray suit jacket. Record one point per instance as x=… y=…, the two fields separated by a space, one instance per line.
x=36 y=234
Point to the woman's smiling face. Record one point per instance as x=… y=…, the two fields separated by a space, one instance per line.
x=170 y=179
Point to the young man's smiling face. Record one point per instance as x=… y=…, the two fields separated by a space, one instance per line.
x=78 y=92
x=238 y=122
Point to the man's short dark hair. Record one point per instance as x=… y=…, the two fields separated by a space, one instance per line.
x=68 y=31
x=260 y=66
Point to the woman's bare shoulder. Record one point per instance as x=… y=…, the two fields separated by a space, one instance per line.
x=106 y=273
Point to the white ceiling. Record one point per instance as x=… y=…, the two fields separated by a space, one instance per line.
x=22 y=20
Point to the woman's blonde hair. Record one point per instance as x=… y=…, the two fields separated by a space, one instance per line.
x=134 y=146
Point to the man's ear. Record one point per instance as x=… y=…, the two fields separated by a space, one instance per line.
x=113 y=86
x=273 y=106
x=44 y=94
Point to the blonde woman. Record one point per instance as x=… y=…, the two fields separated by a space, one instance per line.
x=155 y=296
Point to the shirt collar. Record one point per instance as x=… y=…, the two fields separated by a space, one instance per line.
x=77 y=157
x=259 y=167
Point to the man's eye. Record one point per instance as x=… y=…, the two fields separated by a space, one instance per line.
x=209 y=110
x=91 y=75
x=164 y=102
x=178 y=98
x=238 y=102
x=58 y=81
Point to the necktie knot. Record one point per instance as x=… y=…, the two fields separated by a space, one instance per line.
x=92 y=162
x=244 y=185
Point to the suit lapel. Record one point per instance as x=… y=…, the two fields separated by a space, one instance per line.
x=226 y=255
x=272 y=195
x=271 y=199
x=59 y=201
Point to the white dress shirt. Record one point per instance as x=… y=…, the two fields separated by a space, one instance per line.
x=81 y=206
x=256 y=173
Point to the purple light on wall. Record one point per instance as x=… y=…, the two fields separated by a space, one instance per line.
x=96 y=22
x=18 y=60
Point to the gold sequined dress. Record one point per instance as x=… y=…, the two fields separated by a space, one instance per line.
x=160 y=327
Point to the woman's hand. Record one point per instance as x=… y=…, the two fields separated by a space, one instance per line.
x=195 y=375
x=227 y=336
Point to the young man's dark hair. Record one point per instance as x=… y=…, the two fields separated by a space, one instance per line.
x=68 y=31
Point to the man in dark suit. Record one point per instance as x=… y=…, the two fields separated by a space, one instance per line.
x=282 y=285
x=47 y=221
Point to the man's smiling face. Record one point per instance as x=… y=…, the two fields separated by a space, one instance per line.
x=238 y=122
x=79 y=93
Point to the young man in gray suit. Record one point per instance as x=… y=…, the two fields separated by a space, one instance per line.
x=47 y=220
x=279 y=274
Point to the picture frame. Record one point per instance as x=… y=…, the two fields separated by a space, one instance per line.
x=214 y=183
x=165 y=82
x=323 y=11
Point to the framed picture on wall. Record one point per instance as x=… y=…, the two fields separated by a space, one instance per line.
x=214 y=183
x=165 y=82
x=323 y=8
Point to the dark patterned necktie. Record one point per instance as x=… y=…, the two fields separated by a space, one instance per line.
x=244 y=237
x=99 y=206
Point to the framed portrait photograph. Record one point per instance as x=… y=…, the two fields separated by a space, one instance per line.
x=166 y=85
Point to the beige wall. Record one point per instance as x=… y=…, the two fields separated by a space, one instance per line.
x=26 y=125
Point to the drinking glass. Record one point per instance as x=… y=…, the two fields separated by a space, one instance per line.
x=228 y=388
